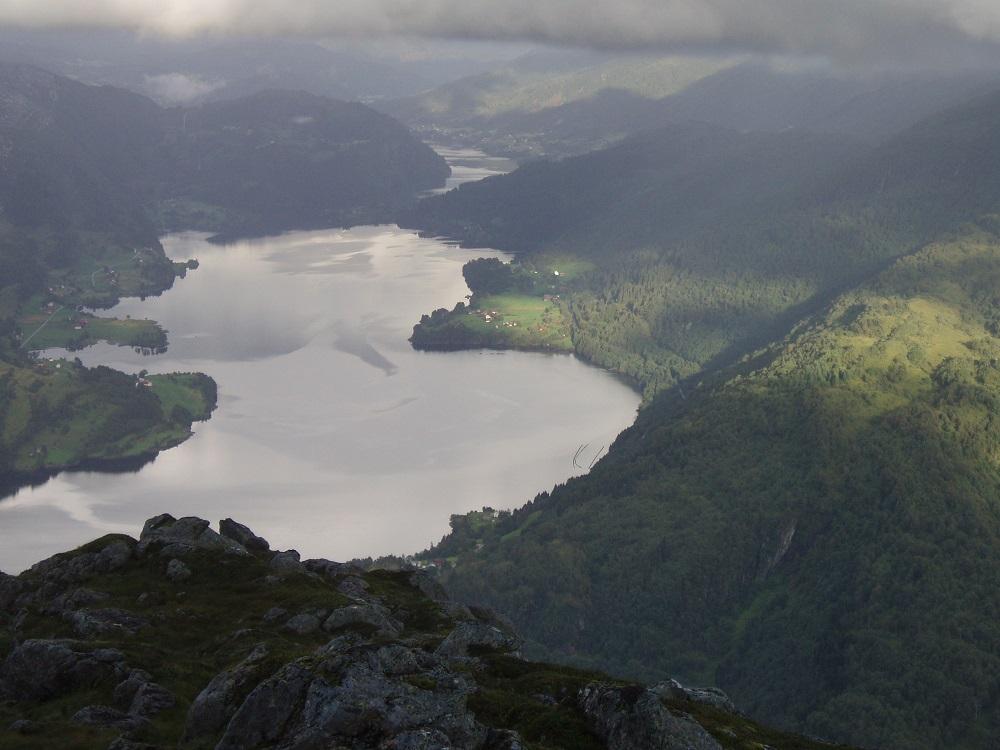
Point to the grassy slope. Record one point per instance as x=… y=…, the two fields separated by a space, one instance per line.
x=816 y=531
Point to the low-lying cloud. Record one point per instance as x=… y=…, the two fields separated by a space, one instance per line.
x=844 y=29
x=180 y=88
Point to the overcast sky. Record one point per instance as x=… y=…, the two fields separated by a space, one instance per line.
x=931 y=30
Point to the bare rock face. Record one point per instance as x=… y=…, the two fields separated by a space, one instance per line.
x=243 y=536
x=634 y=718
x=215 y=705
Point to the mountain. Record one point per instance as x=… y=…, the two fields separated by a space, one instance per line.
x=190 y=71
x=294 y=160
x=191 y=638
x=805 y=511
x=573 y=104
x=90 y=177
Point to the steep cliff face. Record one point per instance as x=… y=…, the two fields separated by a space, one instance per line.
x=193 y=638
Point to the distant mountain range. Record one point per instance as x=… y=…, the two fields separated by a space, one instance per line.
x=556 y=106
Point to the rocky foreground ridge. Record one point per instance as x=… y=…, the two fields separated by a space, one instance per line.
x=194 y=638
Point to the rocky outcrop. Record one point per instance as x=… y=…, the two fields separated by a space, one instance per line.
x=633 y=718
x=175 y=537
x=243 y=536
x=476 y=634
x=355 y=694
x=285 y=663
x=673 y=690
x=215 y=705
x=371 y=614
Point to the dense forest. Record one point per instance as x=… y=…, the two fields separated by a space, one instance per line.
x=805 y=512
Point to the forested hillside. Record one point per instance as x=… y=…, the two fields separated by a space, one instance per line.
x=811 y=524
x=701 y=241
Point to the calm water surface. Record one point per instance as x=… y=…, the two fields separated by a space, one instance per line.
x=332 y=435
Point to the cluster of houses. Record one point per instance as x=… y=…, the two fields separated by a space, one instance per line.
x=490 y=315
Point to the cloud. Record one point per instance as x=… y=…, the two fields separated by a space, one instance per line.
x=843 y=29
x=179 y=88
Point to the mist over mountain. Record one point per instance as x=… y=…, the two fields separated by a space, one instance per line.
x=527 y=111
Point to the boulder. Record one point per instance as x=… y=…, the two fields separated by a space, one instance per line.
x=243 y=536
x=40 y=669
x=287 y=562
x=476 y=634
x=303 y=624
x=626 y=718
x=218 y=701
x=150 y=699
x=126 y=690
x=73 y=600
x=274 y=614
x=177 y=571
x=102 y=622
x=177 y=537
x=108 y=718
x=363 y=614
x=673 y=690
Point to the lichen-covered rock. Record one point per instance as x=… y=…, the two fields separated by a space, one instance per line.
x=243 y=535
x=634 y=718
x=41 y=669
x=218 y=701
